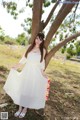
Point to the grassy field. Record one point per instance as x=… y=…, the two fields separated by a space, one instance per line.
x=64 y=98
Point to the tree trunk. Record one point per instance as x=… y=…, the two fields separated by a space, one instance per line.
x=36 y=19
x=57 y=47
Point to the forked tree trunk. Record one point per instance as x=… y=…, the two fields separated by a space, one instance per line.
x=38 y=25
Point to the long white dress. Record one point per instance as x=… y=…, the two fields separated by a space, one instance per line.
x=28 y=87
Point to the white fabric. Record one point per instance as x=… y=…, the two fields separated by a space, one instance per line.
x=28 y=87
x=23 y=60
x=42 y=64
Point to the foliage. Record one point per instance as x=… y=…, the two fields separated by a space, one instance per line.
x=11 y=8
x=77 y=45
x=46 y=3
x=2 y=34
x=9 y=40
x=28 y=23
x=71 y=50
x=21 y=39
x=63 y=49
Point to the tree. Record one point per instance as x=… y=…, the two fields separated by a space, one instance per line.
x=39 y=25
x=8 y=40
x=2 y=34
x=21 y=39
x=77 y=44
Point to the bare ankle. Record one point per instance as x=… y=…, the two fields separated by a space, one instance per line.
x=25 y=108
x=20 y=107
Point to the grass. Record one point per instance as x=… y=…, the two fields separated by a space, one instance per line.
x=64 y=98
x=9 y=55
x=68 y=74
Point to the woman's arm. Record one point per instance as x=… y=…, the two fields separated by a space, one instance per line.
x=16 y=66
x=44 y=74
x=43 y=65
x=21 y=61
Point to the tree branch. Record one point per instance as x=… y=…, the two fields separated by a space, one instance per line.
x=51 y=13
x=55 y=25
x=62 y=43
x=57 y=47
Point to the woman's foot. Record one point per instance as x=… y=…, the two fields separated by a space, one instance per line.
x=23 y=113
x=18 y=112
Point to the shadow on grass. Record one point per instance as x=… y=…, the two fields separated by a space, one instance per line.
x=63 y=102
x=11 y=108
x=60 y=104
x=74 y=75
x=3 y=72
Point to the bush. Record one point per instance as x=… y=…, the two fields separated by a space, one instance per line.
x=68 y=56
x=10 y=42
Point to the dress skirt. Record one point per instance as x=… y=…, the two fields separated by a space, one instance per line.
x=28 y=87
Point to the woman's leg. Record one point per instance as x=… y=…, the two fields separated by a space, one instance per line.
x=23 y=113
x=18 y=112
x=20 y=108
x=24 y=110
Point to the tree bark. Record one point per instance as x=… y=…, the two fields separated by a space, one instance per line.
x=51 y=13
x=57 y=47
x=36 y=19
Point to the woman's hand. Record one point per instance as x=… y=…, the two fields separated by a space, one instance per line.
x=16 y=66
x=44 y=74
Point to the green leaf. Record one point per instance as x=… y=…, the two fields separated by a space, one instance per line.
x=30 y=5
x=46 y=4
x=53 y=1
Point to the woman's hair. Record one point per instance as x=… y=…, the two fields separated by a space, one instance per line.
x=41 y=47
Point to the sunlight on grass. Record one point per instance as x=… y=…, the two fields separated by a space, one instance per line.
x=9 y=55
x=68 y=74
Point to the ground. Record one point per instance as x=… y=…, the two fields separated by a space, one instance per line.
x=64 y=97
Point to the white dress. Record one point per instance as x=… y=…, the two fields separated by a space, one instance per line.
x=28 y=87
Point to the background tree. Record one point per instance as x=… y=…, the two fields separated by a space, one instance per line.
x=77 y=44
x=21 y=39
x=9 y=40
x=2 y=34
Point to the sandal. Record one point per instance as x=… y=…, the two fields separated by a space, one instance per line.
x=22 y=114
x=17 y=113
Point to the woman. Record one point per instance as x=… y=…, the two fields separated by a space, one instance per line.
x=28 y=87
